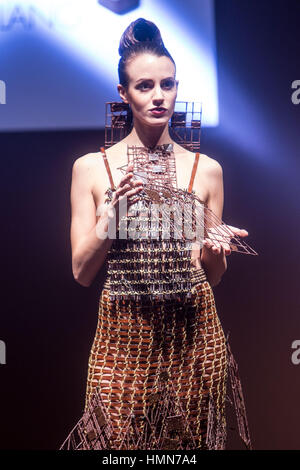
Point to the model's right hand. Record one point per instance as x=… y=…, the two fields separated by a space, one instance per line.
x=127 y=188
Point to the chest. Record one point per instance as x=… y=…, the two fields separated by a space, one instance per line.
x=183 y=168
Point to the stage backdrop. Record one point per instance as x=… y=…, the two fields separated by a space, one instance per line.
x=58 y=59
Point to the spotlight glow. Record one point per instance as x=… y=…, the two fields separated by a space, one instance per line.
x=90 y=33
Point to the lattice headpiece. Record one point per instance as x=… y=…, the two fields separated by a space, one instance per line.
x=184 y=125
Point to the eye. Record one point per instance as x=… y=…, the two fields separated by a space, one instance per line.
x=144 y=86
x=168 y=83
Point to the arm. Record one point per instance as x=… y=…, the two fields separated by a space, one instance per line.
x=213 y=258
x=89 y=239
x=88 y=249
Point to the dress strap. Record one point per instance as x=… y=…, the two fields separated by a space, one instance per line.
x=107 y=168
x=197 y=155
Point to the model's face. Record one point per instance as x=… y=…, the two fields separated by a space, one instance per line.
x=152 y=89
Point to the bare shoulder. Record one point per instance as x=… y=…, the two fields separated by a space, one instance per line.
x=116 y=148
x=89 y=161
x=117 y=154
x=210 y=166
x=209 y=174
x=86 y=163
x=86 y=167
x=206 y=163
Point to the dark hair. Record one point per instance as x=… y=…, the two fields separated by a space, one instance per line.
x=141 y=36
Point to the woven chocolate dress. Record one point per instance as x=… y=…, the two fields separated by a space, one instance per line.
x=158 y=336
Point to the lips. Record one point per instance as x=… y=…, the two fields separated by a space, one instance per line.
x=158 y=111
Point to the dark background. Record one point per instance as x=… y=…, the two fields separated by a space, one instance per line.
x=48 y=321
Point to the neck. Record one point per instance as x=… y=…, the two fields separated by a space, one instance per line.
x=148 y=136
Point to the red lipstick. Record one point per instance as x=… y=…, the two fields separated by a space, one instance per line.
x=158 y=111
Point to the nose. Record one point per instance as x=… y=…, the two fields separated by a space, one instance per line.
x=158 y=96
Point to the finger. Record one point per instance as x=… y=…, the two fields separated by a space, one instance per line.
x=216 y=243
x=125 y=196
x=243 y=233
x=238 y=231
x=208 y=244
x=216 y=250
x=213 y=248
x=133 y=201
x=226 y=249
x=137 y=183
x=225 y=246
x=125 y=179
x=134 y=191
x=218 y=235
x=129 y=167
x=120 y=192
x=122 y=189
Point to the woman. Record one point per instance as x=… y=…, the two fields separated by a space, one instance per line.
x=136 y=341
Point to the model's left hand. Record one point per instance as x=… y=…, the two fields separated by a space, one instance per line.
x=218 y=240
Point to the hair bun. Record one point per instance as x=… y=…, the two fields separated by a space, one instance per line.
x=140 y=30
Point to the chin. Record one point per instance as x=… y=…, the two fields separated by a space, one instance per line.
x=159 y=121
x=153 y=121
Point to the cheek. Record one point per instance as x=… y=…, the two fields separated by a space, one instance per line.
x=174 y=92
x=171 y=95
x=172 y=98
x=139 y=102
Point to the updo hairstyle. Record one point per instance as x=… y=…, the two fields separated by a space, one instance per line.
x=141 y=36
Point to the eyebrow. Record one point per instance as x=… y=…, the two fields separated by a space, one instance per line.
x=143 y=79
x=150 y=79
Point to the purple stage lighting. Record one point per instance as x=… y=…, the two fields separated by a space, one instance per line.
x=120 y=6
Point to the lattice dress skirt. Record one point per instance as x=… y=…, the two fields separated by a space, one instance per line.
x=134 y=342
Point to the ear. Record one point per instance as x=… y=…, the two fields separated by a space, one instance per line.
x=122 y=93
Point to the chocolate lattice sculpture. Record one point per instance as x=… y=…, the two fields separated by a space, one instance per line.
x=152 y=257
